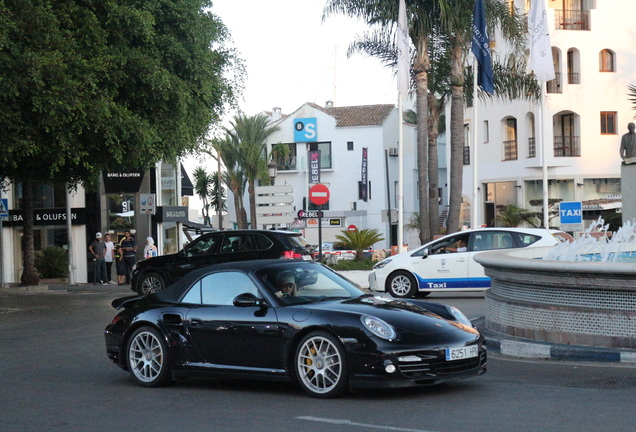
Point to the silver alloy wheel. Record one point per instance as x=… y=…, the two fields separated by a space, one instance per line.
x=401 y=285
x=319 y=364
x=146 y=356
x=151 y=284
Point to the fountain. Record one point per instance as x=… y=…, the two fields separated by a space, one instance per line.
x=583 y=293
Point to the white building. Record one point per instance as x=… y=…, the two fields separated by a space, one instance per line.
x=341 y=134
x=585 y=113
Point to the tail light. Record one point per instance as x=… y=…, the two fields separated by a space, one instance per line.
x=290 y=254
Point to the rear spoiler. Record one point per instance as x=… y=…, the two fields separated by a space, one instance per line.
x=125 y=302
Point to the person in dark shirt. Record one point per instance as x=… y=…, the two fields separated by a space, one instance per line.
x=129 y=247
x=98 y=249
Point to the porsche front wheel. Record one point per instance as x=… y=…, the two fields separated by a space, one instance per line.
x=148 y=360
x=321 y=365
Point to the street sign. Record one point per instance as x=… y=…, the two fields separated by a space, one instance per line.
x=319 y=194
x=148 y=203
x=276 y=219
x=571 y=216
x=4 y=207
x=310 y=214
x=352 y=228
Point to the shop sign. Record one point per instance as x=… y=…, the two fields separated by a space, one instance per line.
x=118 y=182
x=172 y=214
x=52 y=216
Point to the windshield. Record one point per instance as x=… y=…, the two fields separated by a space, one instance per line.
x=298 y=283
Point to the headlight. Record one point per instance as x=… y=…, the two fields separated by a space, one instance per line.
x=459 y=316
x=382 y=263
x=378 y=327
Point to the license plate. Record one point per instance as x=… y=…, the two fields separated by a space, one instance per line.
x=462 y=353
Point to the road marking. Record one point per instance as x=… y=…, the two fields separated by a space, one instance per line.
x=369 y=426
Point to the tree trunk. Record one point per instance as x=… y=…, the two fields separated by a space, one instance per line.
x=456 y=140
x=29 y=272
x=251 y=191
x=433 y=167
x=421 y=87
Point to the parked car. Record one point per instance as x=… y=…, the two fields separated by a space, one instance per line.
x=154 y=274
x=285 y=320
x=447 y=264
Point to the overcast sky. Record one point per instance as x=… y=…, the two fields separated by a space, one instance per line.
x=289 y=55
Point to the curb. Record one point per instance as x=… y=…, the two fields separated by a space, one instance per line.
x=508 y=346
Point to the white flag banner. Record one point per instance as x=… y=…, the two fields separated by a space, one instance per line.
x=540 y=61
x=403 y=58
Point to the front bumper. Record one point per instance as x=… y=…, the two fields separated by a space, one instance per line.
x=431 y=368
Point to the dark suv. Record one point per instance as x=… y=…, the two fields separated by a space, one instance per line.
x=154 y=274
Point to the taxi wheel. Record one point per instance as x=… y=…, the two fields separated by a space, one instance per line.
x=402 y=284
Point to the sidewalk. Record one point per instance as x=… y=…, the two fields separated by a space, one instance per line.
x=509 y=346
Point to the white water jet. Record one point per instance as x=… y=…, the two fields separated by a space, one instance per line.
x=595 y=245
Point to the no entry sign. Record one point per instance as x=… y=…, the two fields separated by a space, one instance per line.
x=319 y=194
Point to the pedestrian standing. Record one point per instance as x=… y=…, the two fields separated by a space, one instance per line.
x=119 y=265
x=150 y=250
x=98 y=249
x=109 y=258
x=129 y=246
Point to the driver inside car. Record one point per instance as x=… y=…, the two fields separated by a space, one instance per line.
x=286 y=284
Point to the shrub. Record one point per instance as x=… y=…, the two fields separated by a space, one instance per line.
x=344 y=265
x=52 y=262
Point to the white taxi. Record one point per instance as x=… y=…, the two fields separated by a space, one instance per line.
x=447 y=264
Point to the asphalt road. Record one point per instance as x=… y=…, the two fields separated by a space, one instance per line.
x=55 y=376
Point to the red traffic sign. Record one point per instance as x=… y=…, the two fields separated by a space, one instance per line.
x=319 y=194
x=352 y=228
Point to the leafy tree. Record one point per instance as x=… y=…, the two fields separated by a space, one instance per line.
x=92 y=85
x=249 y=135
x=359 y=240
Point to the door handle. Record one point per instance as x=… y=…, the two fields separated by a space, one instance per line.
x=196 y=322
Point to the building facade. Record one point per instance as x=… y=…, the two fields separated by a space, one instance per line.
x=586 y=110
x=358 y=162
x=118 y=205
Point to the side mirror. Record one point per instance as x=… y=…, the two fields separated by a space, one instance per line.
x=246 y=300
x=425 y=254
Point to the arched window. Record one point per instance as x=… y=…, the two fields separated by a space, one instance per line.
x=607 y=61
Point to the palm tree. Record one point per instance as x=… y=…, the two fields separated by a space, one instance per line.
x=382 y=16
x=456 y=20
x=359 y=240
x=279 y=154
x=234 y=176
x=249 y=135
x=203 y=188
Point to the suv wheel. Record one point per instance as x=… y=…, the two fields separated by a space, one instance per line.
x=150 y=283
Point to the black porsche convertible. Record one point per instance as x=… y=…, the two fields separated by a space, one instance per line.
x=290 y=320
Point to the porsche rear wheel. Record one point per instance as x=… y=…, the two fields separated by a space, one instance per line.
x=151 y=283
x=148 y=360
x=321 y=365
x=402 y=284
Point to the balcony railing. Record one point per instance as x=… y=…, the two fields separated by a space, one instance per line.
x=566 y=146
x=572 y=19
x=573 y=78
x=532 y=147
x=554 y=86
x=510 y=150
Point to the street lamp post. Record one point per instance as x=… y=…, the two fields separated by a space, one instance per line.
x=272 y=169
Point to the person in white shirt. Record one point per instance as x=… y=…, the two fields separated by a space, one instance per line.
x=109 y=258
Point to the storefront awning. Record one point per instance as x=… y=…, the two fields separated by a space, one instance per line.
x=187 y=188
